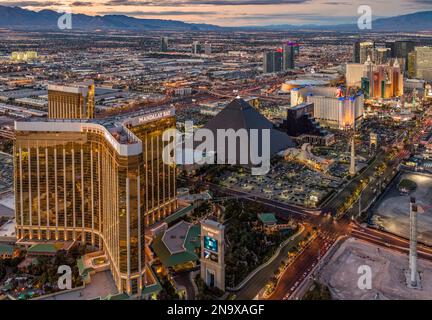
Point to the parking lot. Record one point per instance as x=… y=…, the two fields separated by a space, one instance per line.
x=286 y=182
x=392 y=213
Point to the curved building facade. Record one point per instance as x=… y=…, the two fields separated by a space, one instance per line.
x=95 y=182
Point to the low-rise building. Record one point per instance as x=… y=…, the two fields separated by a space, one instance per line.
x=177 y=247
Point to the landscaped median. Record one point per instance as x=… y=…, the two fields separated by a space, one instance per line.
x=292 y=242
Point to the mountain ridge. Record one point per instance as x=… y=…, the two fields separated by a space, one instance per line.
x=16 y=17
x=19 y=18
x=418 y=21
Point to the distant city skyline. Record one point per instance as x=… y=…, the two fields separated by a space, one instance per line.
x=235 y=12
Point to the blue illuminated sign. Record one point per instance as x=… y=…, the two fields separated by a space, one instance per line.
x=210 y=244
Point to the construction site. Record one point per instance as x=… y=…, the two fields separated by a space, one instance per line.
x=389 y=270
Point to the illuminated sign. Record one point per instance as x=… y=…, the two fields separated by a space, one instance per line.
x=211 y=232
x=141 y=119
x=154 y=116
x=210 y=244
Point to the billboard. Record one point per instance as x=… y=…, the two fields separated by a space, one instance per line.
x=210 y=244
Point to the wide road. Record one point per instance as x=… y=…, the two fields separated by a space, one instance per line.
x=373 y=189
x=340 y=198
x=390 y=241
x=303 y=265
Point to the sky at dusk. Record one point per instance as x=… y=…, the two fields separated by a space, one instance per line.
x=235 y=12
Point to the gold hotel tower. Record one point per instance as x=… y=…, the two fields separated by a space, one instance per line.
x=99 y=182
x=71 y=102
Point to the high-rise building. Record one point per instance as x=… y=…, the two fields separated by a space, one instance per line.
x=422 y=63
x=356 y=52
x=402 y=50
x=300 y=120
x=164 y=44
x=71 y=102
x=339 y=113
x=282 y=59
x=354 y=73
x=330 y=106
x=385 y=81
x=296 y=48
x=196 y=47
x=391 y=46
x=381 y=55
x=367 y=81
x=288 y=60
x=301 y=124
x=366 y=86
x=98 y=182
x=268 y=61
x=376 y=81
x=397 y=80
x=272 y=61
x=277 y=61
x=411 y=72
x=366 y=50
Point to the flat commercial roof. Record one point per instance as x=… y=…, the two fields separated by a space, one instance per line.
x=188 y=239
x=22 y=93
x=43 y=248
x=174 y=237
x=267 y=218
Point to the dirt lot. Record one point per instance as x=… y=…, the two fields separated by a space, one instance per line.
x=388 y=274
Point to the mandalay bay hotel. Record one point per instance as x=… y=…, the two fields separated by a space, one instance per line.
x=99 y=182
